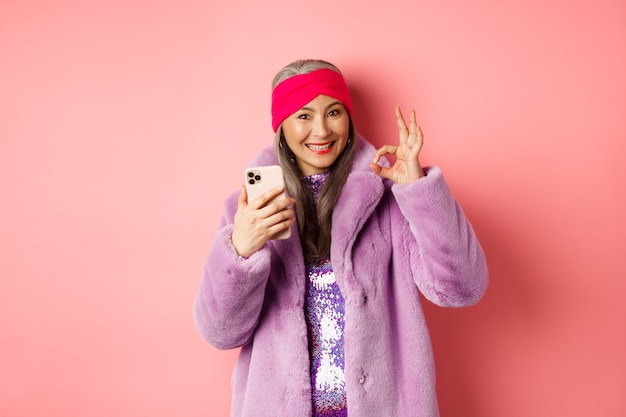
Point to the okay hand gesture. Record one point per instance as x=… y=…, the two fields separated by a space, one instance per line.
x=407 y=167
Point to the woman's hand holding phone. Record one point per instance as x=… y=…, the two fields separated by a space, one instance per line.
x=263 y=210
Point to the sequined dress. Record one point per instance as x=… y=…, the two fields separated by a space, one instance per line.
x=324 y=311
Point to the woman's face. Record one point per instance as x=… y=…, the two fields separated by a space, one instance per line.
x=317 y=133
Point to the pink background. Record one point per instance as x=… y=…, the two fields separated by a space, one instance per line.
x=125 y=124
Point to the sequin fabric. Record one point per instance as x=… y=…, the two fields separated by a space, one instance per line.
x=325 y=310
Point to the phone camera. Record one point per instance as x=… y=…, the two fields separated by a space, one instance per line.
x=253 y=178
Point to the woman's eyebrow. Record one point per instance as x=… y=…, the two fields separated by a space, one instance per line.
x=327 y=107
x=333 y=104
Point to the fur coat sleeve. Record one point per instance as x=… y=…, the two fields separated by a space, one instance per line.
x=231 y=294
x=452 y=267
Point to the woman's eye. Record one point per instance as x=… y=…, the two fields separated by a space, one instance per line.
x=333 y=112
x=303 y=116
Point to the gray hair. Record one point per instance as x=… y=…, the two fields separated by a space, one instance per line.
x=303 y=66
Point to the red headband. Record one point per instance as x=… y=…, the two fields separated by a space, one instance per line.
x=293 y=93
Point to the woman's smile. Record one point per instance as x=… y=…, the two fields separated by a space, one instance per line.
x=320 y=148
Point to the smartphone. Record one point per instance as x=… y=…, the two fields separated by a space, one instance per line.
x=261 y=179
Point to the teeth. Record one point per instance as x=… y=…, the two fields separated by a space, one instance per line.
x=319 y=147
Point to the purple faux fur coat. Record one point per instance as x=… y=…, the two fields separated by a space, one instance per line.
x=389 y=241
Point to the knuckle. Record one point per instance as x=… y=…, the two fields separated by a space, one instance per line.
x=274 y=206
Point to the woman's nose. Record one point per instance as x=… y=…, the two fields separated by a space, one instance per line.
x=321 y=128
